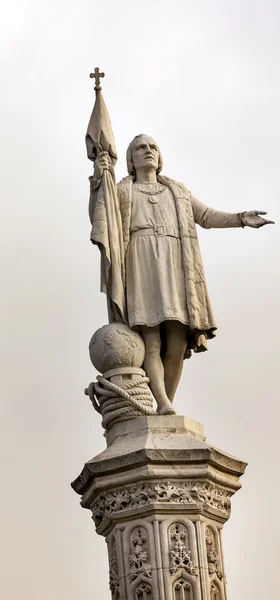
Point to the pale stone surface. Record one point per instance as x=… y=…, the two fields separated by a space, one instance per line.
x=151 y=267
x=118 y=352
x=116 y=345
x=121 y=394
x=160 y=495
x=158 y=276
x=164 y=424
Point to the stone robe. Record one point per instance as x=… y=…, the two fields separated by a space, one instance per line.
x=201 y=324
x=155 y=281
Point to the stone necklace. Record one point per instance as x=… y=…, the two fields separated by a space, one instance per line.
x=151 y=189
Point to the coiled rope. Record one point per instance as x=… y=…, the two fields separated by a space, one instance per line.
x=113 y=402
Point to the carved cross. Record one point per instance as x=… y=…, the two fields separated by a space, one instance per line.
x=96 y=75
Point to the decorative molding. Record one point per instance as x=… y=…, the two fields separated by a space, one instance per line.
x=182 y=583
x=143 y=592
x=182 y=590
x=179 y=550
x=114 y=580
x=213 y=555
x=179 y=492
x=214 y=592
x=139 y=557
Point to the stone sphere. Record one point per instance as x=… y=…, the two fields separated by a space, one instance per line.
x=114 y=346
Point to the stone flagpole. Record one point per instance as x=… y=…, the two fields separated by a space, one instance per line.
x=159 y=493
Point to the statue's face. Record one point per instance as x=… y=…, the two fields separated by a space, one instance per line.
x=145 y=153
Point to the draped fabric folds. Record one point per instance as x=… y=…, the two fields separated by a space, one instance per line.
x=107 y=231
x=99 y=136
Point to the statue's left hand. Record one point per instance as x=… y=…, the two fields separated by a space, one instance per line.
x=253 y=219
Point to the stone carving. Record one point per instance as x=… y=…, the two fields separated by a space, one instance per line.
x=116 y=345
x=171 y=308
x=193 y=491
x=118 y=353
x=143 y=592
x=180 y=552
x=114 y=581
x=214 y=592
x=139 y=556
x=179 y=492
x=213 y=555
x=182 y=590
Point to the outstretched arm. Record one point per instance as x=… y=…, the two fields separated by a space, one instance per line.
x=209 y=217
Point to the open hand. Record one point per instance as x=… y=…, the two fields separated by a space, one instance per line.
x=253 y=219
x=101 y=162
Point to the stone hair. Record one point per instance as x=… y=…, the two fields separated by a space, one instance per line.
x=129 y=161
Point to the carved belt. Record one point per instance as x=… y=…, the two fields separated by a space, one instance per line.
x=158 y=231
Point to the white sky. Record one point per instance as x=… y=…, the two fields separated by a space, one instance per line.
x=201 y=77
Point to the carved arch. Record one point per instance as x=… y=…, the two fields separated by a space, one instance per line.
x=180 y=551
x=183 y=589
x=143 y=592
x=114 y=580
x=129 y=537
x=213 y=552
x=139 y=558
x=215 y=593
x=165 y=528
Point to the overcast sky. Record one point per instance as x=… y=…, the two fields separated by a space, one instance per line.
x=201 y=77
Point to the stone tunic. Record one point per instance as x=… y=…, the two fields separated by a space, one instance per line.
x=155 y=284
x=111 y=231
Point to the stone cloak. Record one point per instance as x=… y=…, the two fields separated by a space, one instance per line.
x=202 y=325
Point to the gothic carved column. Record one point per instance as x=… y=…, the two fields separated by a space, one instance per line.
x=161 y=501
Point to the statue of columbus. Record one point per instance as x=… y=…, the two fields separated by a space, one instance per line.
x=151 y=267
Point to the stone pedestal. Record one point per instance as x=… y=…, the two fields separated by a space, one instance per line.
x=160 y=495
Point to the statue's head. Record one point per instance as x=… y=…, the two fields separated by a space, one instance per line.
x=143 y=152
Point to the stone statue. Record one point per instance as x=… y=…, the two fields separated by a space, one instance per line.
x=151 y=267
x=159 y=493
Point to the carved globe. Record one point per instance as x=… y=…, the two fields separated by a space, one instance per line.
x=116 y=345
